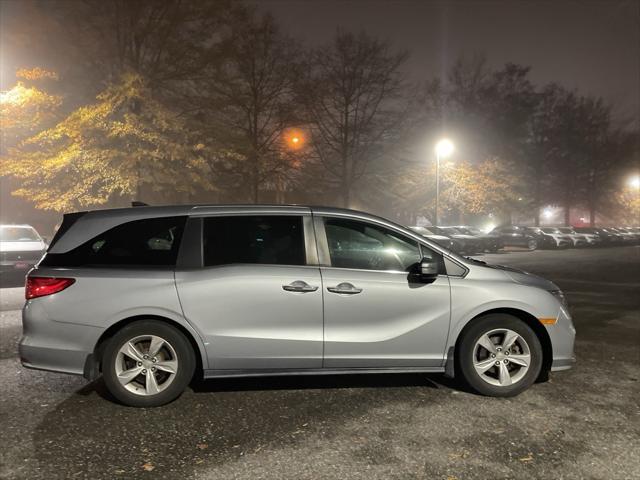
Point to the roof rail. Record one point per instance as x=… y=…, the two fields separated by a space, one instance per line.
x=135 y=203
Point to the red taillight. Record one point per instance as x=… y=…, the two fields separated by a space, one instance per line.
x=41 y=286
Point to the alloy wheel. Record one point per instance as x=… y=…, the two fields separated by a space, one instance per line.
x=146 y=365
x=501 y=357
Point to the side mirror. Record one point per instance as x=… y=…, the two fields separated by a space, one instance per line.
x=429 y=268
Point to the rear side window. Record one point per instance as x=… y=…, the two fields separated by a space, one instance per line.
x=273 y=240
x=150 y=242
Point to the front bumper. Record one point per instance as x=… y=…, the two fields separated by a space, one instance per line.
x=562 y=364
x=562 y=335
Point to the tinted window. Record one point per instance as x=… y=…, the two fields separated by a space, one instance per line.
x=148 y=242
x=275 y=240
x=354 y=244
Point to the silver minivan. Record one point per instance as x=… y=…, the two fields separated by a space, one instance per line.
x=148 y=297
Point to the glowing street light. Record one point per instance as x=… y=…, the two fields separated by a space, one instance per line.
x=294 y=139
x=634 y=182
x=444 y=148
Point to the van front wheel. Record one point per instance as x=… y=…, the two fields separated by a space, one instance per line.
x=147 y=364
x=499 y=355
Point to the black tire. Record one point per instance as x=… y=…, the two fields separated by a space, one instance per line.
x=532 y=244
x=184 y=353
x=465 y=353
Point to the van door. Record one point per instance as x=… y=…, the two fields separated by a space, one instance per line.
x=377 y=314
x=257 y=300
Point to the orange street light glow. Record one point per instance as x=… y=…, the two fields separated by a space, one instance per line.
x=294 y=139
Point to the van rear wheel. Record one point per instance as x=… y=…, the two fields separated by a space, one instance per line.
x=499 y=355
x=147 y=364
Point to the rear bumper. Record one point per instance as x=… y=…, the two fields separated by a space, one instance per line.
x=52 y=359
x=52 y=345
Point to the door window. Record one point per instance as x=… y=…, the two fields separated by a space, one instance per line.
x=361 y=245
x=274 y=240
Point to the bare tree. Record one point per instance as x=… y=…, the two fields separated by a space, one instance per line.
x=247 y=102
x=352 y=95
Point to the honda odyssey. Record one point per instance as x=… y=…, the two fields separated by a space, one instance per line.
x=148 y=297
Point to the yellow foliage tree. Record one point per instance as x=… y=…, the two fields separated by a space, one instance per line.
x=111 y=149
x=483 y=188
x=26 y=108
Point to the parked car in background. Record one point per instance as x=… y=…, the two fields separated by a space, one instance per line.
x=550 y=237
x=514 y=236
x=595 y=236
x=629 y=234
x=21 y=247
x=491 y=242
x=468 y=243
x=149 y=297
x=616 y=237
x=578 y=239
x=442 y=240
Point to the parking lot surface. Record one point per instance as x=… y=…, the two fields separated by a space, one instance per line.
x=583 y=423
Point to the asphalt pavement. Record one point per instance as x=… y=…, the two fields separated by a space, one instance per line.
x=582 y=423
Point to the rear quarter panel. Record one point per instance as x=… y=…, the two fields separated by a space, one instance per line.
x=102 y=297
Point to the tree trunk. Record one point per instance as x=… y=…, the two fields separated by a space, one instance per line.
x=567 y=214
x=592 y=214
x=346 y=194
x=255 y=180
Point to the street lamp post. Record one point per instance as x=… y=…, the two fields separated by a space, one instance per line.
x=444 y=148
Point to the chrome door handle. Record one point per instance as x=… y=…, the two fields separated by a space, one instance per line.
x=344 y=288
x=299 y=286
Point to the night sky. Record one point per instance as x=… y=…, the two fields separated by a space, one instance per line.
x=593 y=46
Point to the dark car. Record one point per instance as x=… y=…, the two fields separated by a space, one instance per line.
x=514 y=236
x=490 y=241
x=442 y=240
x=630 y=234
x=550 y=237
x=618 y=237
x=467 y=244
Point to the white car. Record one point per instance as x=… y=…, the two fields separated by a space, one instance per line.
x=21 y=247
x=579 y=239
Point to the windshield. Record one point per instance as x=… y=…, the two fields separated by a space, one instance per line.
x=551 y=230
x=18 y=234
x=566 y=230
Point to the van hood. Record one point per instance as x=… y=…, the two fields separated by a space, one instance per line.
x=525 y=278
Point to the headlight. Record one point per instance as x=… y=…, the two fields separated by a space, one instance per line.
x=560 y=296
